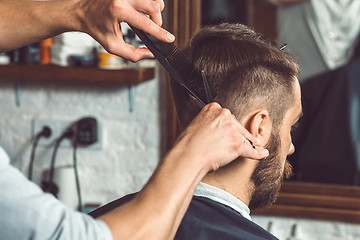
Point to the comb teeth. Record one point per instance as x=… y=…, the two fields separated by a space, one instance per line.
x=177 y=64
x=191 y=76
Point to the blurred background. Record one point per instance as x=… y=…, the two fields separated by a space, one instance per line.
x=57 y=82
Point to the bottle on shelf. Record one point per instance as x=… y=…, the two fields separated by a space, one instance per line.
x=29 y=54
x=107 y=60
x=45 y=51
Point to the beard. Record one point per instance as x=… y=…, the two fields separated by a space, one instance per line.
x=269 y=175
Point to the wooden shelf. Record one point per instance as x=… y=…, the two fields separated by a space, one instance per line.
x=75 y=74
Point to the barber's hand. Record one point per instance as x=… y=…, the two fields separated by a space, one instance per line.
x=101 y=19
x=216 y=137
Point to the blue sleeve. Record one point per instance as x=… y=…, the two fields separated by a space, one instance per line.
x=29 y=213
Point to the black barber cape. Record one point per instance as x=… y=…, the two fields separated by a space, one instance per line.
x=206 y=219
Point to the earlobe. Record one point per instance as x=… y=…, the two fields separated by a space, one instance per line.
x=261 y=126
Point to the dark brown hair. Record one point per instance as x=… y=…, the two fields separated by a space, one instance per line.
x=245 y=71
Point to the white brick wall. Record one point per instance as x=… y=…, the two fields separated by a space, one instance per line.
x=132 y=140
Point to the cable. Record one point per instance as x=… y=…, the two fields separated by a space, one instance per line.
x=45 y=132
x=77 y=177
x=83 y=132
x=67 y=134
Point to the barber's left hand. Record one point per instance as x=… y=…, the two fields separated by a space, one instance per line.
x=101 y=19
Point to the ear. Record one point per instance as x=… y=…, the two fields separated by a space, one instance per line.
x=261 y=126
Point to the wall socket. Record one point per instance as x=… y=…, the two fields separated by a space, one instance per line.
x=57 y=128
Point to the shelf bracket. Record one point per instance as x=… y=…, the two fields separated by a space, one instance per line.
x=132 y=94
x=18 y=92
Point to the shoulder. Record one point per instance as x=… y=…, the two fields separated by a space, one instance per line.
x=207 y=219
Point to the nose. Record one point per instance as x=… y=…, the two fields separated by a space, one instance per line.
x=291 y=149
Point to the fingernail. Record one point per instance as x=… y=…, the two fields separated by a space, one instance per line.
x=257 y=141
x=170 y=37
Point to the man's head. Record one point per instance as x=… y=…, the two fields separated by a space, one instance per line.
x=258 y=83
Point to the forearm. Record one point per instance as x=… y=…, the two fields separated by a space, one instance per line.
x=156 y=212
x=214 y=138
x=25 y=22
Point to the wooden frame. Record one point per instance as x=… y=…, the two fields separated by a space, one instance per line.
x=316 y=201
x=184 y=18
x=304 y=200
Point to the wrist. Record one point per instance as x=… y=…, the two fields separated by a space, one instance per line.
x=74 y=19
x=188 y=158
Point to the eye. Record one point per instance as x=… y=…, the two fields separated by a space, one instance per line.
x=294 y=127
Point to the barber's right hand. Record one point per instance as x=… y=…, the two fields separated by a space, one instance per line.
x=101 y=19
x=216 y=137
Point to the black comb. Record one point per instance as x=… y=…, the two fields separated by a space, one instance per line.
x=177 y=64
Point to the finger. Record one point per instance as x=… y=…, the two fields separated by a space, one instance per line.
x=162 y=4
x=144 y=23
x=212 y=109
x=146 y=3
x=213 y=105
x=141 y=53
x=152 y=8
x=207 y=114
x=129 y=52
x=227 y=116
x=154 y=13
x=156 y=18
x=249 y=152
x=246 y=133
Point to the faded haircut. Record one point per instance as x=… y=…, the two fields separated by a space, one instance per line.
x=245 y=70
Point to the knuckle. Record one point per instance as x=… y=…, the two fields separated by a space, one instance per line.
x=146 y=22
x=208 y=107
x=214 y=105
x=216 y=166
x=162 y=4
x=134 y=57
x=225 y=112
x=118 y=9
x=155 y=7
x=111 y=47
x=232 y=129
x=205 y=109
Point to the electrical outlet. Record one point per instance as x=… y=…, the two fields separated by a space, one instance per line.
x=57 y=129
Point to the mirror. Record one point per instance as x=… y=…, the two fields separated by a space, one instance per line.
x=323 y=37
x=302 y=196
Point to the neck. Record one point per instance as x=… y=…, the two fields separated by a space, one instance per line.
x=235 y=178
